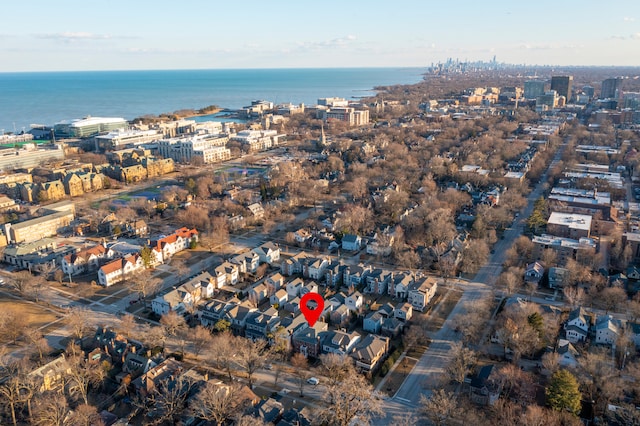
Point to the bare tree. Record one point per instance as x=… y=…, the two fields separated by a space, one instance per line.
x=201 y=339
x=169 y=399
x=225 y=345
x=12 y=324
x=550 y=361
x=348 y=398
x=574 y=295
x=173 y=323
x=336 y=367
x=50 y=410
x=78 y=320
x=81 y=376
x=300 y=365
x=439 y=407
x=36 y=340
x=251 y=356
x=217 y=402
x=86 y=415
x=127 y=325
x=462 y=361
x=12 y=393
x=145 y=284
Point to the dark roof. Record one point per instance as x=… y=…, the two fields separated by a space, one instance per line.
x=480 y=379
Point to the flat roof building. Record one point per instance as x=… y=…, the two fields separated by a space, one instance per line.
x=88 y=126
x=569 y=225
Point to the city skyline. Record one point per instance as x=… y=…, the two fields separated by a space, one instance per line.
x=67 y=35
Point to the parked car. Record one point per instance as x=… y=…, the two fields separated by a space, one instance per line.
x=313 y=381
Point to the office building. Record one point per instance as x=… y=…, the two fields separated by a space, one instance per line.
x=209 y=148
x=88 y=126
x=563 y=85
x=611 y=88
x=121 y=138
x=589 y=91
x=548 y=100
x=533 y=89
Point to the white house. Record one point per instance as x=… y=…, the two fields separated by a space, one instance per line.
x=567 y=353
x=354 y=301
x=373 y=322
x=247 y=262
x=351 y=242
x=229 y=271
x=280 y=297
x=84 y=260
x=534 y=272
x=608 y=330
x=180 y=240
x=403 y=312
x=294 y=288
x=268 y=253
x=421 y=292
x=577 y=326
x=118 y=269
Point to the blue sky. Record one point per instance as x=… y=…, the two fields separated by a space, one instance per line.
x=38 y=35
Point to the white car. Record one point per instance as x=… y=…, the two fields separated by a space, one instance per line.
x=313 y=381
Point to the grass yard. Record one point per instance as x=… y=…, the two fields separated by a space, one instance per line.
x=34 y=315
x=397 y=376
x=440 y=312
x=416 y=351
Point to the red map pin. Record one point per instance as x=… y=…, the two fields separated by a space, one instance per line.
x=313 y=312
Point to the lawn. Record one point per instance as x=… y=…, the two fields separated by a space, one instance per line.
x=440 y=312
x=34 y=315
x=397 y=376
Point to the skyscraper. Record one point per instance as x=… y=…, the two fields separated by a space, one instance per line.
x=610 y=88
x=562 y=84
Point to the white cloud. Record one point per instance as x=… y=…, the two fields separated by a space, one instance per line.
x=69 y=36
x=628 y=19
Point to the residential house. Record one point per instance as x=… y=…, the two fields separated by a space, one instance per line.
x=52 y=375
x=118 y=269
x=293 y=306
x=391 y=327
x=351 y=242
x=373 y=322
x=378 y=281
x=182 y=298
x=558 y=277
x=399 y=286
x=484 y=389
x=314 y=268
x=247 y=262
x=310 y=287
x=83 y=261
x=295 y=264
x=568 y=354
x=213 y=312
x=354 y=301
x=334 y=273
x=421 y=292
x=256 y=210
x=369 y=352
x=180 y=240
x=577 y=326
x=137 y=364
x=274 y=282
x=534 y=273
x=403 y=312
x=607 y=329
x=289 y=326
x=279 y=298
x=258 y=293
x=308 y=341
x=301 y=235
x=634 y=333
x=355 y=275
x=269 y=411
x=339 y=316
x=294 y=288
x=386 y=310
x=152 y=380
x=260 y=325
x=340 y=342
x=268 y=253
x=237 y=316
x=229 y=271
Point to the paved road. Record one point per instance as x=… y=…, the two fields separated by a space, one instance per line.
x=428 y=372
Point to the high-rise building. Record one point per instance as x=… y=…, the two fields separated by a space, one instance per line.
x=563 y=85
x=589 y=91
x=610 y=88
x=533 y=89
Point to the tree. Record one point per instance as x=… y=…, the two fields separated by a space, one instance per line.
x=201 y=338
x=353 y=396
x=127 y=325
x=439 y=407
x=300 y=365
x=50 y=410
x=474 y=256
x=36 y=340
x=462 y=361
x=58 y=275
x=222 y=325
x=173 y=323
x=251 y=356
x=86 y=415
x=12 y=324
x=336 y=367
x=78 y=320
x=574 y=295
x=12 y=393
x=22 y=282
x=81 y=376
x=550 y=361
x=145 y=284
x=611 y=298
x=563 y=392
x=216 y=402
x=169 y=399
x=225 y=345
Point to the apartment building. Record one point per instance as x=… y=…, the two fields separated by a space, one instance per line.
x=209 y=148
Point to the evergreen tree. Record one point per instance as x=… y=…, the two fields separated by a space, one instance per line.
x=563 y=392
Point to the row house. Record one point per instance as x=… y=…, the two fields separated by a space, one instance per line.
x=339 y=316
x=85 y=260
x=258 y=293
x=280 y=297
x=334 y=273
x=261 y=325
x=289 y=326
x=421 y=292
x=186 y=296
x=308 y=341
x=274 y=282
x=119 y=269
x=400 y=284
x=354 y=301
x=237 y=315
x=378 y=281
x=355 y=275
x=247 y=262
x=212 y=312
